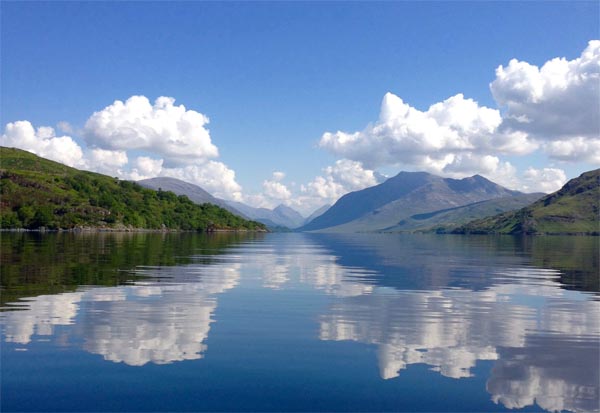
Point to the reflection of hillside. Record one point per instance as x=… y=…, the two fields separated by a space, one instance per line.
x=135 y=324
x=35 y=264
x=418 y=299
x=439 y=261
x=577 y=258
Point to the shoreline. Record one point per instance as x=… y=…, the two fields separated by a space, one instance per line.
x=78 y=230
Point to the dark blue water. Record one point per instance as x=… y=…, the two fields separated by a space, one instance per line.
x=299 y=322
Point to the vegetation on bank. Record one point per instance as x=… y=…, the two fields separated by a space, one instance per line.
x=572 y=210
x=34 y=264
x=36 y=192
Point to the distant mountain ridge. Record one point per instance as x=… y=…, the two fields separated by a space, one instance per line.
x=280 y=216
x=193 y=192
x=317 y=213
x=573 y=209
x=384 y=206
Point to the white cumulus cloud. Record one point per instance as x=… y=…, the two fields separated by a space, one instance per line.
x=215 y=177
x=404 y=135
x=145 y=167
x=580 y=148
x=43 y=142
x=107 y=161
x=276 y=190
x=558 y=101
x=172 y=132
x=337 y=180
x=177 y=139
x=543 y=180
x=554 y=109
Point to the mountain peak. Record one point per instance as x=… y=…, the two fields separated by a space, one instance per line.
x=384 y=205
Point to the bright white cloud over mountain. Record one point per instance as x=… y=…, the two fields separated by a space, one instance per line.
x=548 y=111
x=336 y=180
x=553 y=108
x=43 y=142
x=177 y=140
x=432 y=140
x=545 y=179
x=342 y=177
x=275 y=189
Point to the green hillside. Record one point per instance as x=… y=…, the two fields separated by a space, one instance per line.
x=36 y=192
x=446 y=220
x=574 y=209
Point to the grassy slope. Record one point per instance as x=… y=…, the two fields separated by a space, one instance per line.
x=448 y=219
x=573 y=209
x=36 y=192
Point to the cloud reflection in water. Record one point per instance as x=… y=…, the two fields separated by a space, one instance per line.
x=541 y=338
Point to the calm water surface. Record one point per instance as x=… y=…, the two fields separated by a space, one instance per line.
x=299 y=322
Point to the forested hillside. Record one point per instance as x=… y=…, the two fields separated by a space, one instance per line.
x=36 y=192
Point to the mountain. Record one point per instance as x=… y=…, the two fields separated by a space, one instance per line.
x=384 y=206
x=318 y=212
x=36 y=192
x=285 y=214
x=281 y=216
x=445 y=220
x=574 y=209
x=193 y=192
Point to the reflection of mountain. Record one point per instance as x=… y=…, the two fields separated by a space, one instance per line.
x=455 y=301
x=452 y=329
x=449 y=310
x=136 y=324
x=463 y=306
x=439 y=261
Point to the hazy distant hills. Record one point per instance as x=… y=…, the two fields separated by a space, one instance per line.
x=573 y=209
x=193 y=192
x=281 y=216
x=393 y=204
x=318 y=212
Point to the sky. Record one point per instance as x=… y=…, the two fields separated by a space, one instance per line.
x=301 y=102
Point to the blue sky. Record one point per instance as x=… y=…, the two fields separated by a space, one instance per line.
x=273 y=78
